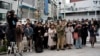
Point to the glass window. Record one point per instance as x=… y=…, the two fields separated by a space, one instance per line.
x=2 y=16
x=95 y=2
x=92 y=13
x=4 y=5
x=98 y=12
x=49 y=1
x=99 y=2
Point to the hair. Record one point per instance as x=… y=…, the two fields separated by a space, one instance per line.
x=12 y=12
x=7 y=13
x=27 y=25
x=52 y=25
x=28 y=19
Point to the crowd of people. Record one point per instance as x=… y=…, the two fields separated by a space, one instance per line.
x=59 y=35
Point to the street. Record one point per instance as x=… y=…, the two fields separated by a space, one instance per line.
x=85 y=51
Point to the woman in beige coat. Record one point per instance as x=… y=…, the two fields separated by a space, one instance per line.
x=51 y=32
x=69 y=38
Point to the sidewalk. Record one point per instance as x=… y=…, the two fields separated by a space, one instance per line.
x=85 y=51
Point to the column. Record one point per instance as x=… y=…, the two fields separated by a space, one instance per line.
x=29 y=13
x=95 y=14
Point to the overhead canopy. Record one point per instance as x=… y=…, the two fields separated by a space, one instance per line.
x=27 y=7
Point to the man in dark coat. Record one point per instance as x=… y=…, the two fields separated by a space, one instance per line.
x=11 y=20
x=84 y=33
x=39 y=32
x=45 y=41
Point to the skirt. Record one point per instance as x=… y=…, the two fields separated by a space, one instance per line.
x=92 y=39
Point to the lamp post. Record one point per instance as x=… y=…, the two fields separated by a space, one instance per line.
x=59 y=9
x=64 y=9
x=18 y=9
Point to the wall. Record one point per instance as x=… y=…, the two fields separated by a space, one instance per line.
x=87 y=5
x=80 y=17
x=75 y=0
x=4 y=11
x=82 y=6
x=30 y=2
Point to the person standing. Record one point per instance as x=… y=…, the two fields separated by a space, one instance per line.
x=60 y=35
x=45 y=41
x=92 y=31
x=10 y=31
x=69 y=37
x=39 y=33
x=18 y=32
x=84 y=33
x=77 y=36
x=51 y=34
x=29 y=34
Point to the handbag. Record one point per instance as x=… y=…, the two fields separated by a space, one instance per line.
x=75 y=35
x=45 y=34
x=54 y=37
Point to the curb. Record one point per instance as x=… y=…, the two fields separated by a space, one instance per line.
x=3 y=53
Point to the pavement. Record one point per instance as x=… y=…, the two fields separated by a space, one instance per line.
x=85 y=51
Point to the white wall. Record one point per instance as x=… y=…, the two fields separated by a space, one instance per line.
x=79 y=17
x=87 y=5
x=82 y=6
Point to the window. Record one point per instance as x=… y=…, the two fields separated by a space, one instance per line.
x=4 y=5
x=92 y=13
x=98 y=12
x=2 y=16
x=99 y=2
x=49 y=1
x=95 y=2
x=15 y=0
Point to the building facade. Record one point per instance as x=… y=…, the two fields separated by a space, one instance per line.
x=26 y=8
x=86 y=9
x=52 y=9
x=5 y=5
x=23 y=8
x=75 y=0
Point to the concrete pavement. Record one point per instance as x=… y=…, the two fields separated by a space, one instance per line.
x=85 y=51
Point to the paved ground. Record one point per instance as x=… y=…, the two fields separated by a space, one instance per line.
x=86 y=51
